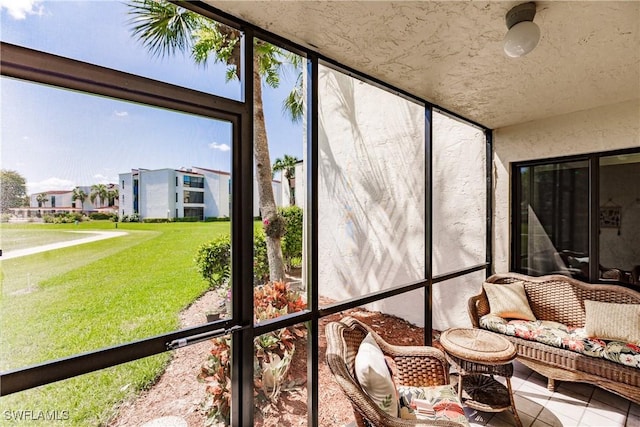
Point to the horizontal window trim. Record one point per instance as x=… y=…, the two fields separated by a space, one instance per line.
x=40 y=374
x=573 y=158
x=41 y=67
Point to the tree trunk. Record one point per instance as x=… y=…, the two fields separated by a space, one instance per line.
x=263 y=169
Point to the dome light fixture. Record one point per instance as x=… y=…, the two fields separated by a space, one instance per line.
x=523 y=34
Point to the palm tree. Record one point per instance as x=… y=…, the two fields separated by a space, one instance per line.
x=288 y=166
x=98 y=191
x=112 y=195
x=42 y=199
x=79 y=194
x=165 y=28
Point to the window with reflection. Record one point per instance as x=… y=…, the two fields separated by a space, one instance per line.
x=552 y=218
x=553 y=212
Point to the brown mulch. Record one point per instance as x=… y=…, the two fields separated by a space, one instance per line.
x=179 y=393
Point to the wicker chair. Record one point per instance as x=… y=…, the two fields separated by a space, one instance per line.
x=418 y=366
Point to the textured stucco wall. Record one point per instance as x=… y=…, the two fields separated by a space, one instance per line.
x=371 y=193
x=459 y=212
x=599 y=129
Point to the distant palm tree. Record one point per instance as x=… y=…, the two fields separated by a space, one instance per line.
x=42 y=199
x=165 y=28
x=288 y=166
x=79 y=194
x=98 y=191
x=112 y=195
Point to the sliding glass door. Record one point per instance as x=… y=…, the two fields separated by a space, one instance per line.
x=555 y=230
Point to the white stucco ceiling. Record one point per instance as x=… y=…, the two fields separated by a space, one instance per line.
x=450 y=52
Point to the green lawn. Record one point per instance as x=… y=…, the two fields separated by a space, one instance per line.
x=95 y=295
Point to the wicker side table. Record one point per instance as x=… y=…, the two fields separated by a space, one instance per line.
x=478 y=355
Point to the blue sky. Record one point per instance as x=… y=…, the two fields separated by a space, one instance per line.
x=58 y=139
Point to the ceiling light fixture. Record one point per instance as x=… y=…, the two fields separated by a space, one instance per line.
x=523 y=34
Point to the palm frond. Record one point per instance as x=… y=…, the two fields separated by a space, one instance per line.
x=162 y=27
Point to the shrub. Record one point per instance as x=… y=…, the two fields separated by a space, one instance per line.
x=100 y=215
x=217 y=219
x=134 y=217
x=213 y=261
x=292 y=240
x=5 y=217
x=187 y=219
x=260 y=259
x=156 y=220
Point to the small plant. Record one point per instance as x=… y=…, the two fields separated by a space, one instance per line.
x=216 y=373
x=274 y=352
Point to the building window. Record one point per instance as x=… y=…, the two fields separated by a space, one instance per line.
x=193 y=197
x=123 y=184
x=176 y=182
x=193 y=181
x=194 y=213
x=176 y=197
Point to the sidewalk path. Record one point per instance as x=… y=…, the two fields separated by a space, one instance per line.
x=95 y=236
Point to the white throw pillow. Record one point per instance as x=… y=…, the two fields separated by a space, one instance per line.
x=610 y=321
x=374 y=376
x=508 y=301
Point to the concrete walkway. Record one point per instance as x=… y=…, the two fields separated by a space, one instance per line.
x=95 y=236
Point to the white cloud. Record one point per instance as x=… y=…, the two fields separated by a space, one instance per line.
x=19 y=9
x=118 y=113
x=50 y=184
x=219 y=147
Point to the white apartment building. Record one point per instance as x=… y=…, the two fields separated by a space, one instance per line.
x=181 y=193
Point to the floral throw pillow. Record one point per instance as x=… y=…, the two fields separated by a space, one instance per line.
x=431 y=403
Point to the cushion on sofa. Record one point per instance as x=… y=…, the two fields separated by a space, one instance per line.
x=443 y=399
x=561 y=336
x=609 y=321
x=374 y=376
x=508 y=301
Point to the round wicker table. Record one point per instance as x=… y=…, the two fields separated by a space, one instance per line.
x=478 y=355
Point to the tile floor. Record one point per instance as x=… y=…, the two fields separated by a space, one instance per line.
x=573 y=404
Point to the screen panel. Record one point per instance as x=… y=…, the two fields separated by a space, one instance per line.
x=371 y=188
x=459 y=195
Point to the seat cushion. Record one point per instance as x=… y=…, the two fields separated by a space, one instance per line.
x=374 y=377
x=442 y=399
x=561 y=336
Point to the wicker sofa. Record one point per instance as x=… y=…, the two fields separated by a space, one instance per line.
x=557 y=298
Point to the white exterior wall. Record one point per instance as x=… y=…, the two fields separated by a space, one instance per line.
x=371 y=194
x=599 y=129
x=459 y=211
x=63 y=200
x=216 y=193
x=126 y=194
x=156 y=195
x=276 y=187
